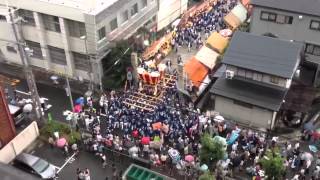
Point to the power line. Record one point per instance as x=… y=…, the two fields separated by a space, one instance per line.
x=16 y=27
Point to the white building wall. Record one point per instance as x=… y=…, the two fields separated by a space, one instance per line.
x=170 y=10
x=255 y=116
x=260 y=77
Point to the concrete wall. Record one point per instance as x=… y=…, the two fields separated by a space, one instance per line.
x=170 y=10
x=266 y=78
x=19 y=143
x=299 y=29
x=255 y=116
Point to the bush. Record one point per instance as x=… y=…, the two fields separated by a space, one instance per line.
x=207 y=176
x=63 y=129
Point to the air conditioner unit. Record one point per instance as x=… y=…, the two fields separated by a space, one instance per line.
x=229 y=74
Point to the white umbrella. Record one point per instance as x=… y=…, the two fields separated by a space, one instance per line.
x=307 y=156
x=27 y=108
x=88 y=93
x=218 y=118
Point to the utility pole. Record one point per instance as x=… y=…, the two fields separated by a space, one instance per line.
x=24 y=56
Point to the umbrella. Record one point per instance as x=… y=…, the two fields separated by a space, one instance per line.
x=307 y=156
x=145 y=140
x=233 y=138
x=77 y=108
x=156 y=126
x=189 y=158
x=133 y=150
x=218 y=119
x=88 y=93
x=308 y=126
x=313 y=148
x=204 y=167
x=80 y=101
x=173 y=153
x=225 y=32
x=135 y=133
x=27 y=108
x=61 y=142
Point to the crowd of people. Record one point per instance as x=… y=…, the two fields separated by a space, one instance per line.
x=130 y=130
x=190 y=35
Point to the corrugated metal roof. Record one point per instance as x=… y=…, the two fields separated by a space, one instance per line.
x=301 y=6
x=263 y=54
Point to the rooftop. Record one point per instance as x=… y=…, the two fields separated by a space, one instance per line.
x=263 y=54
x=88 y=6
x=261 y=96
x=301 y=6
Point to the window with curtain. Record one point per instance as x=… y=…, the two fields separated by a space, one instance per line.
x=76 y=28
x=51 y=23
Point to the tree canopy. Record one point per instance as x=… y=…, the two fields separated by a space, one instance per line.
x=211 y=151
x=272 y=164
x=115 y=65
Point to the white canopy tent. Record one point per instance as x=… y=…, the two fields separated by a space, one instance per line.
x=207 y=56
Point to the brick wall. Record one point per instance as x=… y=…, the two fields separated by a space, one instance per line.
x=7 y=129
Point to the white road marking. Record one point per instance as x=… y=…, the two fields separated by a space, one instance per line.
x=67 y=161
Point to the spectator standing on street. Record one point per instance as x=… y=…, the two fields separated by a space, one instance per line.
x=51 y=142
x=80 y=174
x=66 y=149
x=104 y=160
x=87 y=174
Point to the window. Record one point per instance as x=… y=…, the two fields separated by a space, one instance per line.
x=3 y=18
x=243 y=104
x=76 y=29
x=268 y=16
x=257 y=76
x=312 y=49
x=11 y=49
x=27 y=16
x=315 y=25
x=124 y=16
x=102 y=33
x=282 y=19
x=134 y=9
x=57 y=55
x=51 y=23
x=36 y=48
x=249 y=74
x=274 y=80
x=144 y=3
x=81 y=61
x=241 y=72
x=113 y=24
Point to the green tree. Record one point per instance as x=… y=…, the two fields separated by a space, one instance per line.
x=211 y=151
x=272 y=164
x=207 y=176
x=115 y=65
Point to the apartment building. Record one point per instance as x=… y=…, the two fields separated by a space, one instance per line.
x=259 y=72
x=292 y=20
x=61 y=32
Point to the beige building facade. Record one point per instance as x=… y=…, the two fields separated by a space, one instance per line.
x=61 y=32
